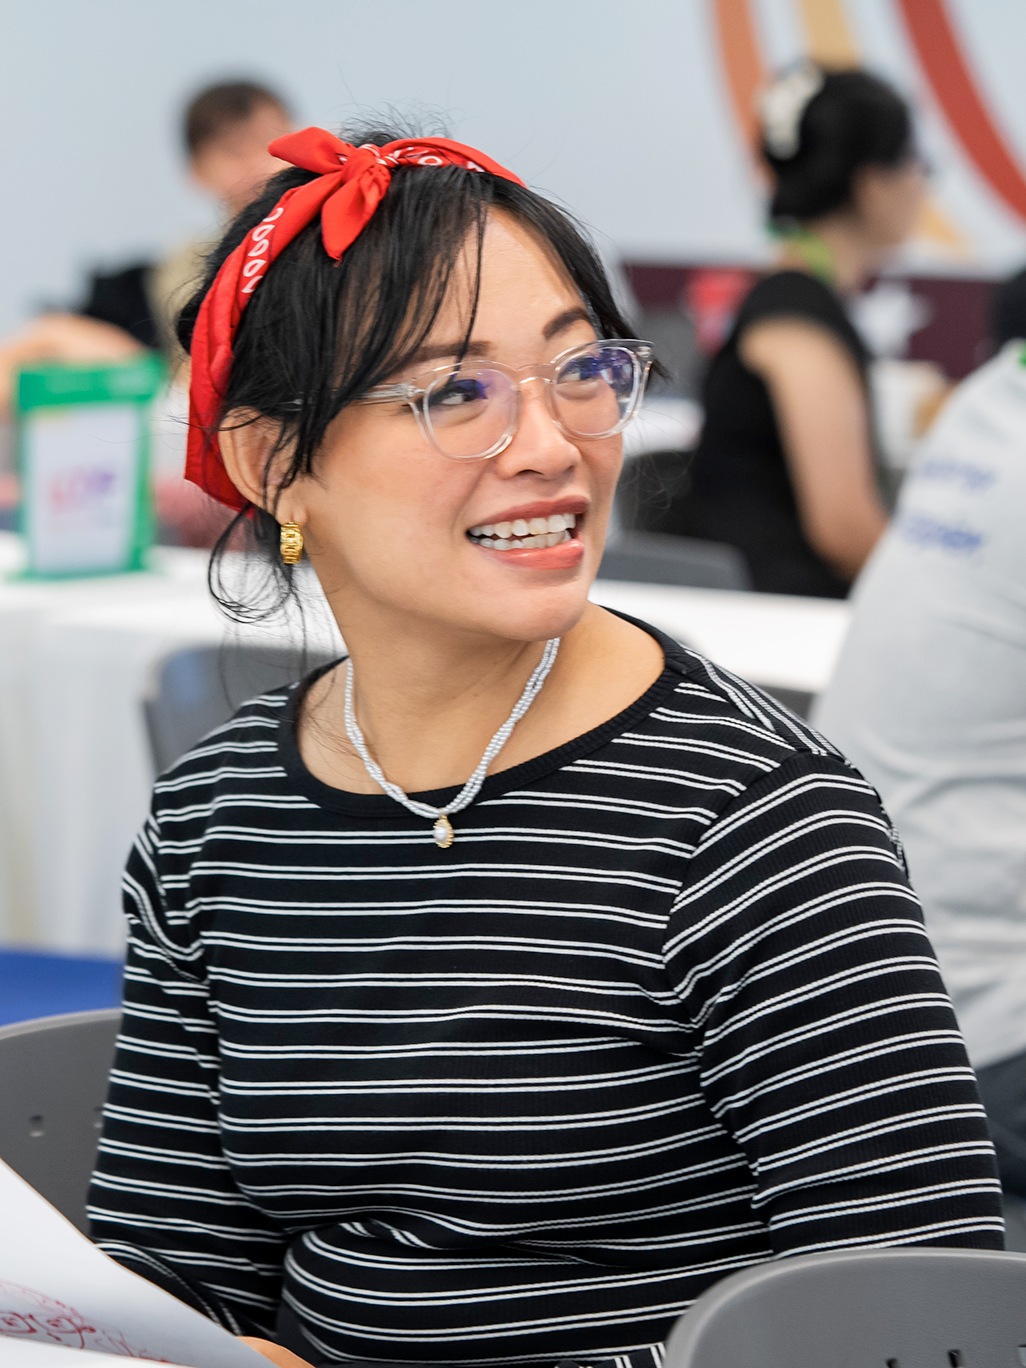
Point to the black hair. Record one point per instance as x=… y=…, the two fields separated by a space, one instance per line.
x=318 y=334
x=853 y=121
x=217 y=108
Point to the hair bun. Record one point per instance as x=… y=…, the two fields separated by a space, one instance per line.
x=782 y=105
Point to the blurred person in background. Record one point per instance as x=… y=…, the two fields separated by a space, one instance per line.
x=787 y=465
x=226 y=129
x=929 y=701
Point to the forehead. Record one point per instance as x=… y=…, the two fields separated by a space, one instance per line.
x=522 y=282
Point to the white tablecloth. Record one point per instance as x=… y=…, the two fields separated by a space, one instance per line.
x=75 y=772
x=75 y=661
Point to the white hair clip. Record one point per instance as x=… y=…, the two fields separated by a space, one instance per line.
x=782 y=105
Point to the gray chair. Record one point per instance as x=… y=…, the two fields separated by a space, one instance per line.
x=53 y=1084
x=800 y=701
x=655 y=558
x=194 y=691
x=875 y=1308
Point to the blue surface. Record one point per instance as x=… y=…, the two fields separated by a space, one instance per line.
x=36 y=985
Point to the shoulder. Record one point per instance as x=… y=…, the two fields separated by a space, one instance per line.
x=242 y=753
x=734 y=726
x=795 y=289
x=801 y=297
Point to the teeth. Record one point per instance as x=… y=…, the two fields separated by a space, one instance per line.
x=521 y=532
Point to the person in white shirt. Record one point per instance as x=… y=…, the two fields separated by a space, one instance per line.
x=929 y=701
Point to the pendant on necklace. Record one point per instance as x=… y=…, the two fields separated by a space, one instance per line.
x=443 y=832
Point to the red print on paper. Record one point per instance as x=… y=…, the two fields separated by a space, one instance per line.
x=51 y=1322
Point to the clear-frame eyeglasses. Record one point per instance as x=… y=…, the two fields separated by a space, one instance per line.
x=471 y=409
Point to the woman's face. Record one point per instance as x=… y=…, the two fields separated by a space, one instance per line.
x=387 y=518
x=889 y=200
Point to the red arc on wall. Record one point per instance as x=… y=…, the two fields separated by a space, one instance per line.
x=940 y=56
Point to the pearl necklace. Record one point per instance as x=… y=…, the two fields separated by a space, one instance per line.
x=442 y=828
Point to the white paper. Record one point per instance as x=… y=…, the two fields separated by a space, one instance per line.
x=56 y=1288
x=16 y=1353
x=80 y=468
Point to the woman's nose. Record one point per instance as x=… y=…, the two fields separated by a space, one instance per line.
x=538 y=444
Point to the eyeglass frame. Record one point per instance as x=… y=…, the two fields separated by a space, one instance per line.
x=415 y=393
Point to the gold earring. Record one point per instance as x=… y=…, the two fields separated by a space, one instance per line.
x=291 y=542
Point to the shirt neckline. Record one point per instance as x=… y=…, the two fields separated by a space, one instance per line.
x=675 y=664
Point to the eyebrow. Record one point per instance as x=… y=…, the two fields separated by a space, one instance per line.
x=565 y=320
x=438 y=351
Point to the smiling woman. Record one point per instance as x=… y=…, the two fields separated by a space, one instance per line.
x=495 y=990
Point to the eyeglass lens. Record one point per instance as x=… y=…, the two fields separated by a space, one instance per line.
x=471 y=409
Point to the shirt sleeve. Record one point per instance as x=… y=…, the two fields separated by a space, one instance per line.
x=163 y=1201
x=829 y=1049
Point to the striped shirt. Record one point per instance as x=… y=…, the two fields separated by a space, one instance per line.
x=664 y=1010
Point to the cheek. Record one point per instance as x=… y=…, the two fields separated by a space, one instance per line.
x=603 y=460
x=394 y=501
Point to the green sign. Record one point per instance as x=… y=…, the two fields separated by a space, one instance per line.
x=83 y=457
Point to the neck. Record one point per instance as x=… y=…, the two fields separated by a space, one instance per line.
x=427 y=699
x=838 y=242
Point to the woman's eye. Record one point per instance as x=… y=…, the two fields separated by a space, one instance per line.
x=456 y=393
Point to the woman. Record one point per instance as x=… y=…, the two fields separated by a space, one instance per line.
x=786 y=468
x=506 y=1073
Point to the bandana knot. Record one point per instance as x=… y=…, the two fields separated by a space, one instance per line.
x=350 y=183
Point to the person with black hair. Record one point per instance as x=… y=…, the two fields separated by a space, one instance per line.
x=507 y=1068
x=787 y=465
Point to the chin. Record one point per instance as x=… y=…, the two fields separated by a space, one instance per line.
x=535 y=615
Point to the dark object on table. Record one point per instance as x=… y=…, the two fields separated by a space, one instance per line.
x=903 y=1308
x=123 y=299
x=53 y=1081
x=194 y=691
x=1008 y=310
x=647 y=558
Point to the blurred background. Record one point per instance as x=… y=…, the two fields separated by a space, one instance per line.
x=639 y=119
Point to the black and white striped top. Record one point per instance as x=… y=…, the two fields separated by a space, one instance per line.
x=665 y=1009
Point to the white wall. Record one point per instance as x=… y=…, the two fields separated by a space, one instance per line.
x=617 y=108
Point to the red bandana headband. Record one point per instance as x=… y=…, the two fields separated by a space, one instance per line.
x=349 y=187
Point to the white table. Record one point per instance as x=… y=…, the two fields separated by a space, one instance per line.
x=75 y=772
x=75 y=661
x=767 y=638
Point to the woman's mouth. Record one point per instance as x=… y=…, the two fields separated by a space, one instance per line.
x=525 y=533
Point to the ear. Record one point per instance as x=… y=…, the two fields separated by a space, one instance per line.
x=869 y=186
x=255 y=468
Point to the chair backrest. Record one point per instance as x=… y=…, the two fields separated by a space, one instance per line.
x=53 y=1084
x=877 y=1308
x=194 y=691
x=655 y=558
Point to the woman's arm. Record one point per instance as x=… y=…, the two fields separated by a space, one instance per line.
x=824 y=427
x=282 y=1358
x=163 y=1201
x=829 y=1050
